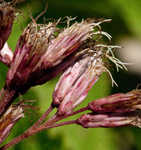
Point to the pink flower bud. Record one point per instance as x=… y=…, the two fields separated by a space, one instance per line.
x=76 y=81
x=104 y=120
x=7 y=15
x=114 y=111
x=120 y=102
x=9 y=119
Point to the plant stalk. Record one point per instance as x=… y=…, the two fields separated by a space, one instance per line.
x=49 y=124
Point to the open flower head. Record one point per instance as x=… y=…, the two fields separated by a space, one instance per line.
x=68 y=41
x=31 y=46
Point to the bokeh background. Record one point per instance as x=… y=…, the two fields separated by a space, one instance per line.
x=125 y=29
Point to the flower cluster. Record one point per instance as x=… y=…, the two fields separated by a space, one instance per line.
x=114 y=111
x=42 y=47
x=42 y=52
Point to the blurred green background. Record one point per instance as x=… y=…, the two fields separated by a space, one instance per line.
x=126 y=22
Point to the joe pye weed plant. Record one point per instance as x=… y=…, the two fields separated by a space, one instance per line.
x=78 y=53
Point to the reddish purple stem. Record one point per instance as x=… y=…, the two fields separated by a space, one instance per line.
x=49 y=124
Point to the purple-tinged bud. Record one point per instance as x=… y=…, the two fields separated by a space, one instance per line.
x=120 y=102
x=114 y=111
x=76 y=81
x=109 y=120
x=67 y=42
x=7 y=15
x=31 y=46
x=9 y=119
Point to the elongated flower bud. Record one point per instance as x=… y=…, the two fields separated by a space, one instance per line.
x=114 y=111
x=110 y=120
x=76 y=81
x=7 y=15
x=67 y=42
x=120 y=102
x=9 y=119
x=31 y=46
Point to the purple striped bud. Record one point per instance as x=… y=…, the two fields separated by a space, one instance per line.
x=7 y=15
x=9 y=119
x=67 y=42
x=109 y=120
x=120 y=102
x=76 y=81
x=31 y=46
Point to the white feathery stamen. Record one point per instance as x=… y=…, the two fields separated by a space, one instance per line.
x=69 y=19
x=113 y=81
x=100 y=22
x=103 y=33
x=112 y=58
